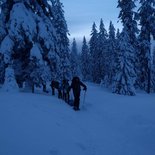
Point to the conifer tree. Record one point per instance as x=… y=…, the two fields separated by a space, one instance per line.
x=63 y=41
x=2 y=69
x=111 y=55
x=125 y=72
x=102 y=54
x=93 y=56
x=85 y=61
x=2 y=22
x=153 y=57
x=35 y=25
x=116 y=55
x=117 y=33
x=129 y=17
x=153 y=71
x=125 y=75
x=38 y=71
x=147 y=22
x=10 y=83
x=74 y=59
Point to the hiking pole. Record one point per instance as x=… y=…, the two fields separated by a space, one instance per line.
x=71 y=99
x=84 y=97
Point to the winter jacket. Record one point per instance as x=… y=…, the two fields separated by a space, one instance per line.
x=76 y=86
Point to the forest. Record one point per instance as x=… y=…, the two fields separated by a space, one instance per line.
x=35 y=48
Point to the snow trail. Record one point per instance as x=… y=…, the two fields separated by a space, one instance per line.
x=107 y=124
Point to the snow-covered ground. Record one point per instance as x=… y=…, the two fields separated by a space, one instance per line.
x=107 y=124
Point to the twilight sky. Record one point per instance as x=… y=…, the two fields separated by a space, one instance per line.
x=80 y=15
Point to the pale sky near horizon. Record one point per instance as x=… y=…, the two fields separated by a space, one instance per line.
x=80 y=15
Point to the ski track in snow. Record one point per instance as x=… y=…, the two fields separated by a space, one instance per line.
x=109 y=124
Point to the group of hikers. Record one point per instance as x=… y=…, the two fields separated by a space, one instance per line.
x=64 y=90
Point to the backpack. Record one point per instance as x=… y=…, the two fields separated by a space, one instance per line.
x=76 y=85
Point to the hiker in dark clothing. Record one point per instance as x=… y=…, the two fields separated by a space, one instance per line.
x=56 y=85
x=76 y=86
x=65 y=92
x=44 y=87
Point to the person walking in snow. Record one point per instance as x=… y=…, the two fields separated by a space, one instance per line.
x=56 y=85
x=65 y=92
x=76 y=86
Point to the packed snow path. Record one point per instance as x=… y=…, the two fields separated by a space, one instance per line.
x=107 y=124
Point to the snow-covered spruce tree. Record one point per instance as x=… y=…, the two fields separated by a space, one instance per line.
x=116 y=56
x=34 y=77
x=2 y=22
x=38 y=72
x=62 y=39
x=50 y=53
x=147 y=22
x=101 y=54
x=110 y=56
x=5 y=42
x=33 y=25
x=116 y=52
x=125 y=74
x=153 y=71
x=153 y=57
x=117 y=33
x=126 y=60
x=128 y=17
x=93 y=44
x=2 y=69
x=10 y=84
x=85 y=61
x=74 y=60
